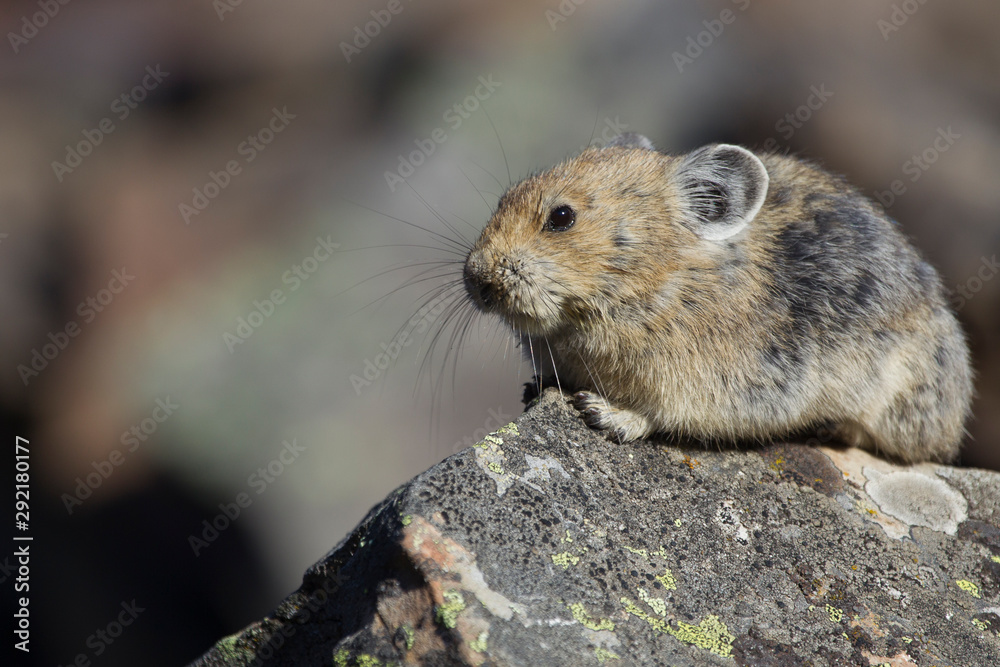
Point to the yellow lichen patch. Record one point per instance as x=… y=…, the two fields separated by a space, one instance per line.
x=479 y=643
x=405 y=520
x=677 y=522
x=995 y=559
x=447 y=613
x=778 y=466
x=657 y=624
x=638 y=552
x=656 y=604
x=711 y=634
x=661 y=552
x=340 y=658
x=836 y=615
x=603 y=654
x=584 y=619
x=491 y=458
x=565 y=559
x=981 y=624
x=566 y=539
x=969 y=587
x=667 y=580
x=227 y=646
x=408 y=634
x=365 y=660
x=509 y=428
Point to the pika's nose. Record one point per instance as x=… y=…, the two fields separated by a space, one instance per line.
x=477 y=281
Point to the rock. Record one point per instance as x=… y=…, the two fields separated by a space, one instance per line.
x=546 y=544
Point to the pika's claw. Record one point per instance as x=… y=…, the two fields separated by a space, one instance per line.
x=622 y=424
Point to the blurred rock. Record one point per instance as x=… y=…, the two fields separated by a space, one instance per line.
x=547 y=544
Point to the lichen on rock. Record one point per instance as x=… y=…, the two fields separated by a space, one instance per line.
x=547 y=544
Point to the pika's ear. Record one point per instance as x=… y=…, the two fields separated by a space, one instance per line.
x=631 y=140
x=722 y=188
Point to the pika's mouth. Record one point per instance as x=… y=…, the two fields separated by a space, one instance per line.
x=504 y=289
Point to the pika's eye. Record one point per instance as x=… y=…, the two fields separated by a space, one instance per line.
x=560 y=219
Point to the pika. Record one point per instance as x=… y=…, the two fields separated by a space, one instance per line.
x=725 y=295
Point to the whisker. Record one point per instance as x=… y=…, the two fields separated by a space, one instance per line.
x=510 y=181
x=420 y=277
x=462 y=242
x=593 y=132
x=490 y=174
x=457 y=246
x=405 y=245
x=489 y=208
x=555 y=370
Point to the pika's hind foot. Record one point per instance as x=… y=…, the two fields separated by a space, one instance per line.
x=621 y=423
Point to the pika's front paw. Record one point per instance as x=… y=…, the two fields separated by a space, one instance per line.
x=621 y=423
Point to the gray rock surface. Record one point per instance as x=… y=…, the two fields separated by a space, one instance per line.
x=546 y=544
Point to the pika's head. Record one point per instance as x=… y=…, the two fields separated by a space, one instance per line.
x=607 y=227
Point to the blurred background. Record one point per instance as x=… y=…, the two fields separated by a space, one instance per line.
x=227 y=231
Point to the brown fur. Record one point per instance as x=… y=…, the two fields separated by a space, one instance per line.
x=817 y=312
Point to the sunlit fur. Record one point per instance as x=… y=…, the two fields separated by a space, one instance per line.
x=818 y=312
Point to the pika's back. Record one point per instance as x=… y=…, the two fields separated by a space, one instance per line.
x=726 y=295
x=837 y=261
